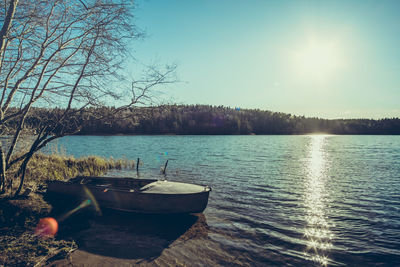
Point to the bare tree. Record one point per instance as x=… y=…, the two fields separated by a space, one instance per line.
x=63 y=54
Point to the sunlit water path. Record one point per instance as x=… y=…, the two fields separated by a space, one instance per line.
x=277 y=200
x=317 y=232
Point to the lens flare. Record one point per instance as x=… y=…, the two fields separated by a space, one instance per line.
x=47 y=227
x=84 y=204
x=92 y=199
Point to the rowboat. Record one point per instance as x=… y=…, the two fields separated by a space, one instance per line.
x=132 y=194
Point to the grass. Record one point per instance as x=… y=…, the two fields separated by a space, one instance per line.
x=19 y=216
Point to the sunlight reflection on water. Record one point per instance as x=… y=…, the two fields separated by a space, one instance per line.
x=317 y=232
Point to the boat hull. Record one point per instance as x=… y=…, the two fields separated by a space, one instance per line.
x=129 y=200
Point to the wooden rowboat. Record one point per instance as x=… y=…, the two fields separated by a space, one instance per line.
x=133 y=195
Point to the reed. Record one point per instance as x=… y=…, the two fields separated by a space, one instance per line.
x=44 y=167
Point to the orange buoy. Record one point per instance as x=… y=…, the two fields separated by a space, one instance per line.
x=47 y=227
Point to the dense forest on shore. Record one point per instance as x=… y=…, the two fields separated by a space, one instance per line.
x=205 y=119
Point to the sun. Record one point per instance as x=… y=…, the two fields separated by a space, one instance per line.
x=316 y=60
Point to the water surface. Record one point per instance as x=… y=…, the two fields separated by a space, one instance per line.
x=292 y=200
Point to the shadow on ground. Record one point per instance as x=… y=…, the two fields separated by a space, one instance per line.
x=131 y=236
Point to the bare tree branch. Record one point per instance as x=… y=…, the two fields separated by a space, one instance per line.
x=64 y=54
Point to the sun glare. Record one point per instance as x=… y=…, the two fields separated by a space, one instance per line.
x=316 y=60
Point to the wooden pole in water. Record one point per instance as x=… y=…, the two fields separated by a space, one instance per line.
x=165 y=167
x=137 y=165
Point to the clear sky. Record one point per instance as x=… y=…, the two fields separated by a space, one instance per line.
x=330 y=59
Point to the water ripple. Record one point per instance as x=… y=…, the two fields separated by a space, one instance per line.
x=279 y=200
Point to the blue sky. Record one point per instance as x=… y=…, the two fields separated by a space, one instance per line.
x=330 y=59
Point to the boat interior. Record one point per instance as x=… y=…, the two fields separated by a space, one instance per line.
x=113 y=182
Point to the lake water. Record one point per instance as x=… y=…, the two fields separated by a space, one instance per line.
x=276 y=200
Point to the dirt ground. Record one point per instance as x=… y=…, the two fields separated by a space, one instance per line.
x=117 y=239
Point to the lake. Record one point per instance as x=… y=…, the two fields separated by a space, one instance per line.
x=275 y=200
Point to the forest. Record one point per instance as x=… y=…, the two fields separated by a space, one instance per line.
x=203 y=120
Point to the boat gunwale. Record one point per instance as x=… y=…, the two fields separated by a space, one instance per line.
x=132 y=178
x=206 y=188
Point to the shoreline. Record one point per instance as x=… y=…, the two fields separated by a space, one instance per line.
x=20 y=215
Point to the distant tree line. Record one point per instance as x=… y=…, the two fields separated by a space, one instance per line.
x=205 y=120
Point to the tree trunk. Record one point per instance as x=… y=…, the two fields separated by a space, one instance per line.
x=7 y=24
x=2 y=172
x=22 y=171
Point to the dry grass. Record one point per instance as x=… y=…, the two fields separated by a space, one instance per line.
x=44 y=167
x=19 y=245
x=55 y=167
